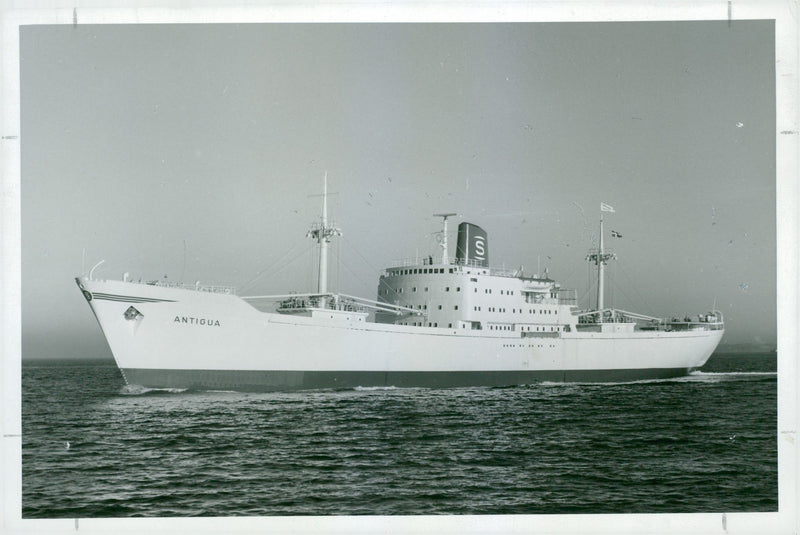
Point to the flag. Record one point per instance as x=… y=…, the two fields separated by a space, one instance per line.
x=606 y=207
x=615 y=234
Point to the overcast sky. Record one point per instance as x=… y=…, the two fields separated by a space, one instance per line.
x=192 y=151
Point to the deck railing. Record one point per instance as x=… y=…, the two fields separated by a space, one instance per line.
x=217 y=289
x=461 y=263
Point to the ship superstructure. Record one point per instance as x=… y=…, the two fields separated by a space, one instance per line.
x=437 y=322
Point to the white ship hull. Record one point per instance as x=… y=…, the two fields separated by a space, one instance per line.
x=199 y=340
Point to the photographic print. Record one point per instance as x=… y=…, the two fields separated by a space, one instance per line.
x=398 y=269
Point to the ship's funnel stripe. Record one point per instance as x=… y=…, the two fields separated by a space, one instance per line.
x=130 y=299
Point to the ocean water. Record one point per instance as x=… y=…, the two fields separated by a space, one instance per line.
x=92 y=447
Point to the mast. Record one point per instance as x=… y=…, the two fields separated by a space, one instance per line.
x=601 y=258
x=444 y=217
x=600 y=271
x=323 y=234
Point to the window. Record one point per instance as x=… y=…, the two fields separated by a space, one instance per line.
x=440 y=307
x=449 y=325
x=455 y=307
x=476 y=290
x=446 y=288
x=414 y=289
x=501 y=292
x=451 y=270
x=458 y=288
x=426 y=288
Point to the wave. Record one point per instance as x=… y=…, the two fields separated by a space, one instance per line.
x=694 y=376
x=139 y=390
x=712 y=377
x=373 y=388
x=726 y=374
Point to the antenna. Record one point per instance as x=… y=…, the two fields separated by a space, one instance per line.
x=444 y=217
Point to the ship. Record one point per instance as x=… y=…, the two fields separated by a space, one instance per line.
x=435 y=323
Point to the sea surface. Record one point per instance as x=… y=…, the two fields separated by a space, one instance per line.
x=93 y=447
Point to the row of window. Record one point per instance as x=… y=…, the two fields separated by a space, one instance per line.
x=414 y=289
x=529 y=345
x=502 y=292
x=515 y=311
x=422 y=324
x=487 y=291
x=422 y=271
x=425 y=307
x=491 y=327
x=522 y=328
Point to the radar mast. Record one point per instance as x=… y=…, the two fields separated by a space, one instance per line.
x=445 y=259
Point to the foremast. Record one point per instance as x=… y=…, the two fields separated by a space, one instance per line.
x=323 y=232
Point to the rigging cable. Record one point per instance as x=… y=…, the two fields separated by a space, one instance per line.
x=272 y=265
x=367 y=263
x=624 y=272
x=288 y=263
